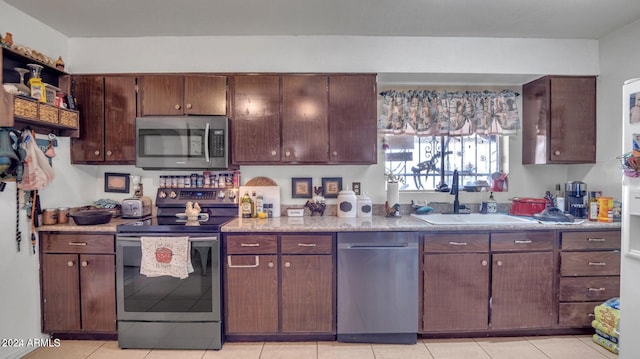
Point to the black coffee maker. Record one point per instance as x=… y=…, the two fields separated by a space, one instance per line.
x=575 y=198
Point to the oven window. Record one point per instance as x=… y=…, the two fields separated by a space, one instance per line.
x=165 y=293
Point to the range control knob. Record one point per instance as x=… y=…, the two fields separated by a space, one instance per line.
x=162 y=194
x=173 y=194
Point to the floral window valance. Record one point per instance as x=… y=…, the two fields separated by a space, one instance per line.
x=431 y=113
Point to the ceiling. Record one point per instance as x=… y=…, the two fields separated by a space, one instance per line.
x=567 y=19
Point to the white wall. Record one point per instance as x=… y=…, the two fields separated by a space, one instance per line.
x=20 y=299
x=619 y=58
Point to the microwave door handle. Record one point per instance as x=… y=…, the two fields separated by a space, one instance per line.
x=206 y=143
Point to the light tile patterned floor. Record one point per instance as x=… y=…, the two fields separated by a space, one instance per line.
x=557 y=347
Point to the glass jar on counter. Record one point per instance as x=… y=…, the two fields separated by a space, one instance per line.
x=163 y=182
x=174 y=181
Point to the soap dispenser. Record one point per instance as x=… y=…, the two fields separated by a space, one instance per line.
x=492 y=205
x=483 y=203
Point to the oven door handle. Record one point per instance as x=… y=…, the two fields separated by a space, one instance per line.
x=137 y=238
x=231 y=265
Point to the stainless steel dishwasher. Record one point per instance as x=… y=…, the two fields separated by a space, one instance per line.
x=378 y=287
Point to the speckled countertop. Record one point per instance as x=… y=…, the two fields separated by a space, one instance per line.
x=338 y=224
x=381 y=224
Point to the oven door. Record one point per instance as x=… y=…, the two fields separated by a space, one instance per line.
x=167 y=298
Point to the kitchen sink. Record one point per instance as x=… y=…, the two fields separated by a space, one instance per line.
x=471 y=218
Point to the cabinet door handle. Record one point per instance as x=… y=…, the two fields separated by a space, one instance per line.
x=287 y=153
x=557 y=153
x=177 y=107
x=255 y=265
x=597 y=264
x=484 y=263
x=70 y=264
x=270 y=264
x=189 y=105
x=306 y=244
x=249 y=244
x=77 y=243
x=273 y=153
x=499 y=263
x=109 y=153
x=84 y=263
x=596 y=239
x=97 y=153
x=528 y=241
x=335 y=153
x=596 y=289
x=458 y=243
x=287 y=264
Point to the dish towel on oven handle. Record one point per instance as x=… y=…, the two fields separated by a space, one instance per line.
x=169 y=256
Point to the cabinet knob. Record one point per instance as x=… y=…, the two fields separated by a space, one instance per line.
x=270 y=264
x=109 y=153
x=499 y=263
x=287 y=153
x=557 y=153
x=70 y=264
x=189 y=105
x=287 y=264
x=84 y=263
x=177 y=107
x=97 y=153
x=484 y=262
x=335 y=153
x=274 y=152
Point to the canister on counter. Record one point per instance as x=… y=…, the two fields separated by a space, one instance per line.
x=49 y=216
x=63 y=215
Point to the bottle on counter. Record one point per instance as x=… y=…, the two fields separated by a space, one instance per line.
x=593 y=206
x=254 y=199
x=483 y=204
x=492 y=205
x=259 y=204
x=246 y=205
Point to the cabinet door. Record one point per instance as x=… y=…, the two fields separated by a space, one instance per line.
x=205 y=95
x=60 y=292
x=251 y=294
x=573 y=120
x=98 y=292
x=305 y=136
x=522 y=290
x=120 y=119
x=255 y=119
x=161 y=95
x=352 y=119
x=463 y=306
x=89 y=94
x=307 y=295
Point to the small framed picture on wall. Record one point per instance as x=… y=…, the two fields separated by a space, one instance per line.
x=301 y=187
x=331 y=186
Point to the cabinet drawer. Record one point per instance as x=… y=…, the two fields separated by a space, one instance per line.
x=522 y=241
x=78 y=243
x=251 y=244
x=578 y=289
x=590 y=240
x=456 y=243
x=589 y=263
x=577 y=314
x=306 y=244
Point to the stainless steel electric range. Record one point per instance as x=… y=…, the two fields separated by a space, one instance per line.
x=165 y=311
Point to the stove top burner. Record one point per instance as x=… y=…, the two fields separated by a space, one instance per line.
x=216 y=210
x=171 y=225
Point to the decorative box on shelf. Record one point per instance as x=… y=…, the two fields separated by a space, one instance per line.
x=44 y=114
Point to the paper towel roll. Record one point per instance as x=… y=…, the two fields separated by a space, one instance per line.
x=393 y=194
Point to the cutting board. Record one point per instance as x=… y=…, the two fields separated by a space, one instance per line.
x=271 y=194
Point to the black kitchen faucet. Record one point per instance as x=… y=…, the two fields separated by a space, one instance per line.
x=454 y=191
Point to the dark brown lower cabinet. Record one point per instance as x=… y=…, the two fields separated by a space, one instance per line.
x=78 y=283
x=279 y=284
x=252 y=294
x=522 y=290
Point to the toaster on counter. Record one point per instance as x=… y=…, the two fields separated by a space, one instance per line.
x=136 y=207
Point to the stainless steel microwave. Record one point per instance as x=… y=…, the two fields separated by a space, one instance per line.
x=187 y=142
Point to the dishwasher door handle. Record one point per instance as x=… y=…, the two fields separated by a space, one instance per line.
x=375 y=246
